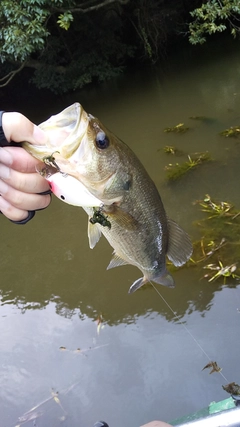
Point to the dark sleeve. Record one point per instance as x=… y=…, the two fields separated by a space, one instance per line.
x=3 y=141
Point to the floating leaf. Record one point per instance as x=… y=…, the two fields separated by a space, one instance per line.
x=214 y=366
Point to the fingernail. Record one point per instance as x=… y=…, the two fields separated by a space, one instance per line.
x=4 y=171
x=5 y=156
x=3 y=187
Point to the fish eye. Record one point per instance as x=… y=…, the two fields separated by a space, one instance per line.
x=102 y=140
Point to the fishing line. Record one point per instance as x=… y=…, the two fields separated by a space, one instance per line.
x=186 y=329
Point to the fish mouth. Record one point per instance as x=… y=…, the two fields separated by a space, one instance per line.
x=65 y=132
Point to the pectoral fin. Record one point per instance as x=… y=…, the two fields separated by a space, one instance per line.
x=94 y=234
x=121 y=217
x=179 y=244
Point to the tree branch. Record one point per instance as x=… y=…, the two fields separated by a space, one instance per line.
x=10 y=75
x=91 y=8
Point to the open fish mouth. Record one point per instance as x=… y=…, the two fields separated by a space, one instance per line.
x=65 y=131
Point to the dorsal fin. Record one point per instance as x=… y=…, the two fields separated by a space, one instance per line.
x=179 y=244
x=94 y=234
x=116 y=261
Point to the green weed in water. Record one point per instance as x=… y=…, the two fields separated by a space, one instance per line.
x=169 y=149
x=180 y=128
x=176 y=171
x=220 y=241
x=232 y=132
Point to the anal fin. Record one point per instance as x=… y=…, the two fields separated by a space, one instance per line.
x=165 y=279
x=116 y=261
x=136 y=285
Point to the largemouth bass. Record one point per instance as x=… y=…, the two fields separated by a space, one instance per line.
x=132 y=216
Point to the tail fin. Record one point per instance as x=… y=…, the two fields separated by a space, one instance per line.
x=165 y=280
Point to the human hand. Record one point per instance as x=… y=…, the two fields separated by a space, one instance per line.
x=19 y=181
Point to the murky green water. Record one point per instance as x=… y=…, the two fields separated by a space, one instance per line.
x=141 y=363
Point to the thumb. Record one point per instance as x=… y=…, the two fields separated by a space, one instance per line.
x=39 y=136
x=19 y=128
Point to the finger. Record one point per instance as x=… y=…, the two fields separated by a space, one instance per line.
x=26 y=182
x=19 y=128
x=21 y=200
x=18 y=159
x=12 y=213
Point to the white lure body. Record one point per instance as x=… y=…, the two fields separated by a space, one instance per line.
x=70 y=190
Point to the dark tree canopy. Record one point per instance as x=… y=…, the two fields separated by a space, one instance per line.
x=70 y=43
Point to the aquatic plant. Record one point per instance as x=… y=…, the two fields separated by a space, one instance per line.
x=220 y=208
x=176 y=171
x=232 y=132
x=180 y=128
x=169 y=149
x=220 y=240
x=227 y=271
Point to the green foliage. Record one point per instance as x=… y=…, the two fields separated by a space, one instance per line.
x=22 y=29
x=70 y=43
x=212 y=17
x=64 y=20
x=66 y=47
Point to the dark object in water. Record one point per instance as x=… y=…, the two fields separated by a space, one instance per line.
x=101 y=424
x=232 y=388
